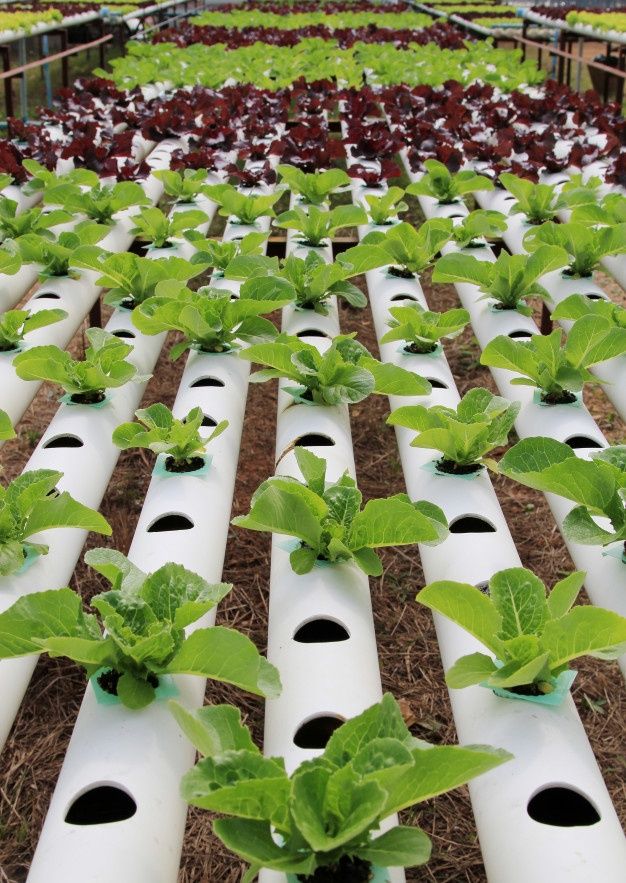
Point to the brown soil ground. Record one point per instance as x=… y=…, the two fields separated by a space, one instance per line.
x=410 y=663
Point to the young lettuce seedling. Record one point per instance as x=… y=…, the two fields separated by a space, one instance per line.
x=345 y=373
x=384 y=210
x=327 y=814
x=42 y=179
x=142 y=635
x=538 y=202
x=315 y=227
x=578 y=305
x=597 y=486
x=465 y=436
x=30 y=504
x=219 y=254
x=131 y=279
x=314 y=188
x=329 y=521
x=154 y=226
x=558 y=371
x=32 y=220
x=210 y=319
x=15 y=324
x=100 y=203
x=6 y=427
x=532 y=634
x=509 y=281
x=609 y=212
x=239 y=207
x=183 y=186
x=58 y=256
x=440 y=184
x=85 y=382
x=422 y=330
x=404 y=249
x=159 y=431
x=477 y=228
x=584 y=244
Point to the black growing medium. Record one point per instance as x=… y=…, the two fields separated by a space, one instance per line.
x=93 y=397
x=401 y=273
x=420 y=349
x=347 y=870
x=449 y=467
x=109 y=680
x=190 y=464
x=559 y=398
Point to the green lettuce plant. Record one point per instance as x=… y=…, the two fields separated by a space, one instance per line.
x=314 y=188
x=60 y=256
x=220 y=253
x=422 y=329
x=509 y=281
x=478 y=227
x=209 y=319
x=578 y=305
x=154 y=226
x=558 y=371
x=6 y=427
x=31 y=503
x=15 y=324
x=444 y=186
x=159 y=431
x=84 y=381
x=532 y=634
x=384 y=210
x=330 y=523
x=345 y=373
x=314 y=227
x=242 y=208
x=597 y=486
x=100 y=203
x=131 y=279
x=538 y=202
x=464 y=435
x=327 y=814
x=184 y=186
x=584 y=244
x=42 y=179
x=404 y=249
x=32 y=220
x=141 y=633
x=609 y=211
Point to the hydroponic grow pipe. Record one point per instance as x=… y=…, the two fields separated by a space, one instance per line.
x=550 y=746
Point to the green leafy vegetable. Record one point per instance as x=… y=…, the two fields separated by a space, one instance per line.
x=100 y=202
x=558 y=371
x=30 y=504
x=422 y=329
x=57 y=256
x=578 y=305
x=86 y=381
x=329 y=521
x=584 y=244
x=6 y=427
x=439 y=183
x=42 y=179
x=539 y=202
x=220 y=253
x=331 y=807
x=509 y=281
x=315 y=226
x=345 y=373
x=14 y=324
x=480 y=423
x=240 y=206
x=142 y=634
x=383 y=210
x=477 y=227
x=183 y=186
x=610 y=211
x=32 y=220
x=314 y=188
x=153 y=225
x=407 y=250
x=533 y=634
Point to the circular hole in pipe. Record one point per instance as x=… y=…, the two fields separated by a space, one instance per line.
x=321 y=631
x=471 y=524
x=312 y=439
x=311 y=332
x=47 y=295
x=582 y=441
x=397 y=297
x=64 y=441
x=437 y=384
x=457 y=215
x=523 y=334
x=101 y=805
x=316 y=732
x=208 y=421
x=562 y=807
x=124 y=333
x=593 y=295
x=206 y=381
x=170 y=522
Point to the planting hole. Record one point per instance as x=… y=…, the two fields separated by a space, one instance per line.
x=124 y=333
x=101 y=806
x=457 y=215
x=316 y=732
x=208 y=421
x=206 y=381
x=522 y=334
x=311 y=332
x=47 y=295
x=593 y=295
x=171 y=521
x=397 y=297
x=436 y=384
x=64 y=441
x=321 y=631
x=312 y=439
x=507 y=198
x=471 y=524
x=562 y=807
x=581 y=441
